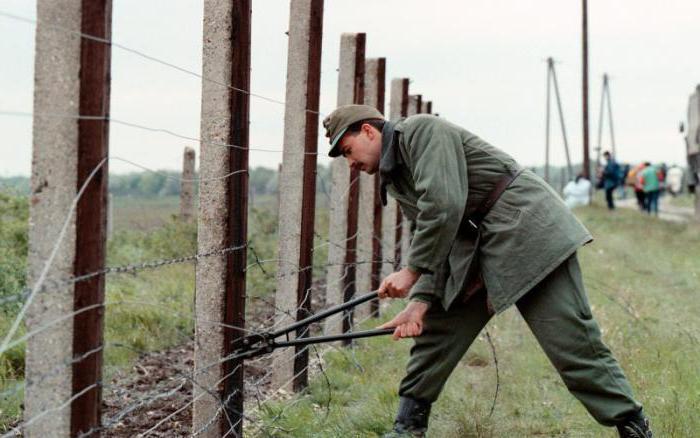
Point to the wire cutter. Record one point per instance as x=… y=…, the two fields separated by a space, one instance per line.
x=258 y=344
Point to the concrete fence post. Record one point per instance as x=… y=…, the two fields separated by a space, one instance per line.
x=187 y=186
x=297 y=188
x=415 y=105
x=340 y=281
x=71 y=77
x=391 y=222
x=110 y=216
x=222 y=219
x=369 y=254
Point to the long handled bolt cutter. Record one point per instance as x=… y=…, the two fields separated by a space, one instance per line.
x=263 y=343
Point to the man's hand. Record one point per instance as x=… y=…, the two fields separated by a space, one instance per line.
x=398 y=284
x=409 y=322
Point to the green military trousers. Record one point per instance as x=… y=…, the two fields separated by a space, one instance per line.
x=558 y=313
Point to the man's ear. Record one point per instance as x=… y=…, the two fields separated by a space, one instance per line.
x=368 y=130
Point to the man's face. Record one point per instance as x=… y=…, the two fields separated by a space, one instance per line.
x=362 y=149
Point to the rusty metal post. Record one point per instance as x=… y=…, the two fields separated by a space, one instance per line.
x=297 y=188
x=377 y=253
x=391 y=216
x=425 y=107
x=550 y=64
x=584 y=85
x=344 y=189
x=415 y=103
x=222 y=223
x=368 y=258
x=71 y=77
x=110 y=216
x=187 y=186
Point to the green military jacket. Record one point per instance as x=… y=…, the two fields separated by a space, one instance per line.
x=439 y=174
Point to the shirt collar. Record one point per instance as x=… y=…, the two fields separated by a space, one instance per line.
x=389 y=163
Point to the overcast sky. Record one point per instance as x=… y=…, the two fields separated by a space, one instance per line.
x=482 y=63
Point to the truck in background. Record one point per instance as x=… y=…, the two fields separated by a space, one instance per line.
x=692 y=143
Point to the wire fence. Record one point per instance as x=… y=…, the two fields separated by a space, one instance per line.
x=181 y=383
x=184 y=380
x=149 y=384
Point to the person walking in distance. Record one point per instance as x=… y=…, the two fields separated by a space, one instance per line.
x=633 y=179
x=488 y=234
x=649 y=178
x=611 y=178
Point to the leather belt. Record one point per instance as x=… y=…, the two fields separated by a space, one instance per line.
x=470 y=224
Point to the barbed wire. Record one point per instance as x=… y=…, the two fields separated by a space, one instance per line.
x=155 y=264
x=147 y=57
x=495 y=362
x=44 y=283
x=52 y=256
x=122 y=302
x=125 y=269
x=141 y=127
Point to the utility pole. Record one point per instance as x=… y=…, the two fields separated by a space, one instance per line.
x=586 y=160
x=606 y=85
x=552 y=82
x=605 y=99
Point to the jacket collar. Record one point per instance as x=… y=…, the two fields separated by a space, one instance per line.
x=389 y=161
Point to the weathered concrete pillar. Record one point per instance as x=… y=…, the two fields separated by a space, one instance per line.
x=398 y=107
x=110 y=216
x=187 y=186
x=344 y=188
x=223 y=208
x=71 y=77
x=297 y=188
x=367 y=251
x=415 y=104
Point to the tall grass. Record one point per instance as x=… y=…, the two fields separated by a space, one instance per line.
x=147 y=311
x=643 y=280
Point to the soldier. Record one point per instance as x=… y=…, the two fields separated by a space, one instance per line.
x=488 y=234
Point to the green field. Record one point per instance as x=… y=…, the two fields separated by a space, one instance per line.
x=147 y=311
x=683 y=200
x=642 y=274
x=643 y=278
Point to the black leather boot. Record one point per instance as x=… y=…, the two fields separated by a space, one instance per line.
x=635 y=426
x=412 y=419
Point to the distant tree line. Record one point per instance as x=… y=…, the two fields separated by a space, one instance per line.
x=262 y=181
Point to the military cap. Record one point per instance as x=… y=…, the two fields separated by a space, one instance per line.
x=339 y=120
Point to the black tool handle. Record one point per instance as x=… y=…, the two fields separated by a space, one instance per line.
x=333 y=338
x=322 y=315
x=269 y=348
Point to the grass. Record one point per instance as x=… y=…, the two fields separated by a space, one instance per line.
x=683 y=200
x=148 y=311
x=143 y=214
x=642 y=275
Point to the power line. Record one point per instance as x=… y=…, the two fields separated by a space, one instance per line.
x=144 y=56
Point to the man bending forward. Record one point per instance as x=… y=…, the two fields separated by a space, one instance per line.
x=487 y=234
